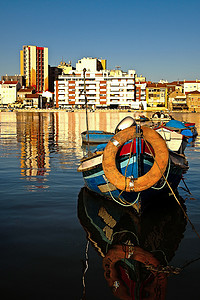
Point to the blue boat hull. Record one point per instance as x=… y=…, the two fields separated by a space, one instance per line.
x=96 y=181
x=96 y=137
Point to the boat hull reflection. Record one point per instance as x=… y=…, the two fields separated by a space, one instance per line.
x=135 y=250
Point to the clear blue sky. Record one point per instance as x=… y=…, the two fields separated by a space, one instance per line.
x=160 y=40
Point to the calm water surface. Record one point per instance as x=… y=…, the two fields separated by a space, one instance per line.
x=43 y=228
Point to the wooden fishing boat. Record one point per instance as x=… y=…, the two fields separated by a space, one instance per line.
x=175 y=141
x=101 y=137
x=96 y=136
x=135 y=164
x=142 y=118
x=160 y=116
x=187 y=129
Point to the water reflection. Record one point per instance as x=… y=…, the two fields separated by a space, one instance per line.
x=38 y=140
x=136 y=251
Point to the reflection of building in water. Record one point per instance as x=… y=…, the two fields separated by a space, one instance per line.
x=68 y=128
x=69 y=125
x=8 y=125
x=33 y=134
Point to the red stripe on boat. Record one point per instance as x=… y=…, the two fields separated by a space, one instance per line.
x=125 y=149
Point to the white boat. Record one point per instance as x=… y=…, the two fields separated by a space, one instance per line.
x=161 y=116
x=174 y=140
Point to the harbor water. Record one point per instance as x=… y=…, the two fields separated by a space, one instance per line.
x=44 y=231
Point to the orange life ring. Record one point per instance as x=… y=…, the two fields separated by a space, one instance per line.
x=147 y=180
x=159 y=280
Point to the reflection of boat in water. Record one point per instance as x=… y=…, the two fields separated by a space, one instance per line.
x=136 y=251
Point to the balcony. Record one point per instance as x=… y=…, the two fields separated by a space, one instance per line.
x=114 y=83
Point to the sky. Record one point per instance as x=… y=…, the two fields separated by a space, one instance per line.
x=158 y=39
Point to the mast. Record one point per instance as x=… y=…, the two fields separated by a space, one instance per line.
x=86 y=111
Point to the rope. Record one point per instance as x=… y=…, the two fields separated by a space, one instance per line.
x=122 y=231
x=185 y=214
x=160 y=188
x=85 y=270
x=187 y=189
x=160 y=269
x=123 y=203
x=190 y=262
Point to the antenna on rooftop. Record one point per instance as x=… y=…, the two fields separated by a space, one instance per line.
x=118 y=67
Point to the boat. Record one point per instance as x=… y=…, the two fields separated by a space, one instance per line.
x=96 y=136
x=185 y=128
x=161 y=116
x=142 y=118
x=175 y=141
x=135 y=164
x=102 y=137
x=135 y=251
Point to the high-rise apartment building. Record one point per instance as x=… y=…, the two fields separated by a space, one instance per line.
x=102 y=89
x=34 y=66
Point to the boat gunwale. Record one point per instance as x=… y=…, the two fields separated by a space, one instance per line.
x=99 y=132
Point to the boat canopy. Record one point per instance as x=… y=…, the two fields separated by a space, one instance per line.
x=175 y=124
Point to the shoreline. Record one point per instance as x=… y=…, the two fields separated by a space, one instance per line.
x=151 y=110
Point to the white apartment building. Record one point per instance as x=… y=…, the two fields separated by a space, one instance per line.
x=102 y=89
x=91 y=64
x=8 y=92
x=190 y=86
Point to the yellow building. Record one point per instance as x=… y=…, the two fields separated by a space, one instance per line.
x=177 y=100
x=156 y=95
x=34 y=66
x=66 y=67
x=193 y=101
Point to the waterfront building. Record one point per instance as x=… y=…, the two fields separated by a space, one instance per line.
x=102 y=90
x=175 y=85
x=8 y=92
x=157 y=95
x=190 y=86
x=21 y=94
x=177 y=100
x=193 y=101
x=31 y=100
x=19 y=78
x=34 y=66
x=140 y=95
